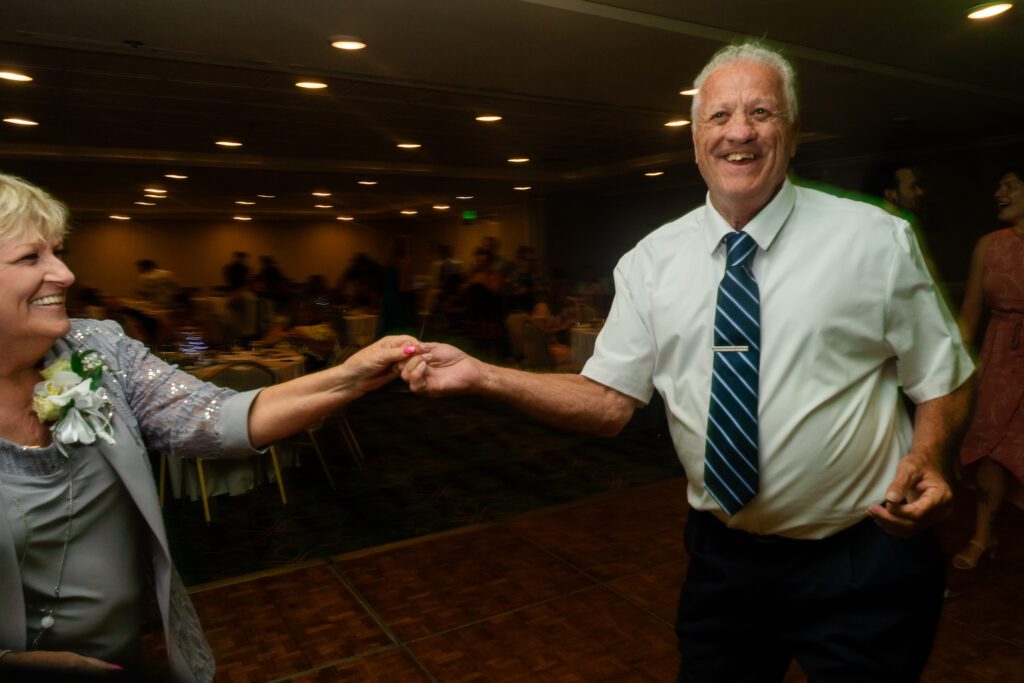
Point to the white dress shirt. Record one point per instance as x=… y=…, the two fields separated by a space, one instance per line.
x=845 y=299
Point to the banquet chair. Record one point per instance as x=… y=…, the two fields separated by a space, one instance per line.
x=535 y=350
x=307 y=437
x=240 y=376
x=514 y=328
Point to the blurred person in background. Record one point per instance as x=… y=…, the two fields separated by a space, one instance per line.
x=993 y=449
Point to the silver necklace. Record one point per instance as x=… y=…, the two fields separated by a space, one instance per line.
x=47 y=622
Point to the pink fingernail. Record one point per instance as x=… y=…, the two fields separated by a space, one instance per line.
x=409 y=350
x=117 y=666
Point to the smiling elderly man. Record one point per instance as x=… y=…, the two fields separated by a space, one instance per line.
x=776 y=322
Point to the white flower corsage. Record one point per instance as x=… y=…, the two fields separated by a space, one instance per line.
x=71 y=397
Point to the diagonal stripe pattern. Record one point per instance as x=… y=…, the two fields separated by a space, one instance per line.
x=730 y=458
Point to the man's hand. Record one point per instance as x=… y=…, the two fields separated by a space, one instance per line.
x=442 y=370
x=917 y=498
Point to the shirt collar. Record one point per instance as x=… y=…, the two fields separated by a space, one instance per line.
x=764 y=227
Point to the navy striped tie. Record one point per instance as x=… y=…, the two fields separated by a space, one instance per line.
x=730 y=458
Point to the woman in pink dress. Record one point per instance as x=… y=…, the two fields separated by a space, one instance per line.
x=994 y=445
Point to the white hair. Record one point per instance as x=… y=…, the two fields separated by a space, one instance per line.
x=750 y=51
x=27 y=210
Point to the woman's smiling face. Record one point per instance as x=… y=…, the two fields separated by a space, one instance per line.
x=1010 y=199
x=33 y=288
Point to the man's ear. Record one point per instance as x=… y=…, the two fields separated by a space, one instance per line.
x=889 y=196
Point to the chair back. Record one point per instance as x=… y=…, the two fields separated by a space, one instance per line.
x=535 y=348
x=243 y=376
x=514 y=327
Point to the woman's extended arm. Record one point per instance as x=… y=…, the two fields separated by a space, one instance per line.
x=974 y=303
x=283 y=409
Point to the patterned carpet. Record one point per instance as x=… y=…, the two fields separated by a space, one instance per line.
x=432 y=465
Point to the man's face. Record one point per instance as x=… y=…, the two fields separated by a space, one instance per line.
x=743 y=140
x=908 y=193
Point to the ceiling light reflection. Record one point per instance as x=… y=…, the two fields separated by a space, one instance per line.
x=347 y=43
x=988 y=10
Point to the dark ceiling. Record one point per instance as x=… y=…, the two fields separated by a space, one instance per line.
x=126 y=92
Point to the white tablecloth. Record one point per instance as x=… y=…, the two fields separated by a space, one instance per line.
x=235 y=476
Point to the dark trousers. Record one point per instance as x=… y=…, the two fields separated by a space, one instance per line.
x=860 y=606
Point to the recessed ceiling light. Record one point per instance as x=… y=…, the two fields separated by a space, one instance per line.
x=311 y=85
x=265 y=196
x=175 y=176
x=323 y=206
x=488 y=118
x=346 y=218
x=522 y=188
x=14 y=120
x=244 y=202
x=15 y=76
x=518 y=160
x=442 y=207
x=347 y=43
x=242 y=218
x=118 y=217
x=676 y=123
x=321 y=194
x=988 y=10
x=409 y=145
x=228 y=143
x=654 y=174
x=691 y=91
x=408 y=212
x=465 y=196
x=154 y=190
x=146 y=203
x=367 y=182
x=155 y=196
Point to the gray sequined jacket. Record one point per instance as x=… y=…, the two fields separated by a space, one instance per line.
x=167 y=409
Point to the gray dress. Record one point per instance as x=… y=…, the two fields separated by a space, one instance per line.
x=117 y=528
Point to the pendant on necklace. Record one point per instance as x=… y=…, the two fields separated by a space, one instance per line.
x=47 y=621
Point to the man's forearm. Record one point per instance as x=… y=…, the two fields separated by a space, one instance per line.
x=940 y=423
x=571 y=402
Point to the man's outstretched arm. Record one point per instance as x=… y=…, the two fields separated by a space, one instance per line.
x=571 y=402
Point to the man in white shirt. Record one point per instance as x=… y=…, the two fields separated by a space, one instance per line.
x=818 y=557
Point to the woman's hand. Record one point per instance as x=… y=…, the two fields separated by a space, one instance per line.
x=53 y=662
x=283 y=409
x=377 y=364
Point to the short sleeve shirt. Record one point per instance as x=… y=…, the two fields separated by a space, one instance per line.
x=849 y=312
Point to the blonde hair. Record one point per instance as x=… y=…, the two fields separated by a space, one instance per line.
x=750 y=51
x=26 y=210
